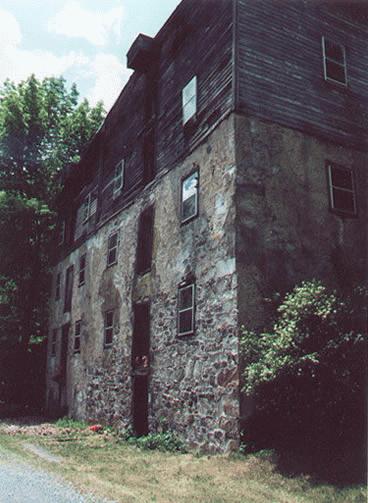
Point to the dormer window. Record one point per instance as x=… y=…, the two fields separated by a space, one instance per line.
x=334 y=62
x=118 y=181
x=189 y=100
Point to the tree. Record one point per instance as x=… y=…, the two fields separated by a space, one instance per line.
x=43 y=128
x=307 y=377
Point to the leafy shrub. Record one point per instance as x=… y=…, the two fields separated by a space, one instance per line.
x=166 y=441
x=67 y=422
x=307 y=375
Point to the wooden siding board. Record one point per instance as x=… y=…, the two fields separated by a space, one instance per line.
x=280 y=70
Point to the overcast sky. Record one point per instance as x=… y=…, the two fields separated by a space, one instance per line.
x=86 y=41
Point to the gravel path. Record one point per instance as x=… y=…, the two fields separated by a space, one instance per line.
x=21 y=483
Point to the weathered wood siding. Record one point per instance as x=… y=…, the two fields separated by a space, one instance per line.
x=204 y=49
x=280 y=68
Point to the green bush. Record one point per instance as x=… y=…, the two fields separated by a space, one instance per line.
x=166 y=441
x=67 y=422
x=307 y=375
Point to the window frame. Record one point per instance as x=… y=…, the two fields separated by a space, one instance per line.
x=77 y=337
x=144 y=251
x=68 y=294
x=58 y=286
x=184 y=103
x=62 y=233
x=116 y=190
x=191 y=285
x=341 y=212
x=108 y=328
x=109 y=250
x=53 y=346
x=88 y=213
x=327 y=58
x=182 y=181
x=82 y=270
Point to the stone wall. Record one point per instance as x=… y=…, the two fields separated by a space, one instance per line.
x=194 y=382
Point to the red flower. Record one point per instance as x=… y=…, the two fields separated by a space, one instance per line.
x=96 y=427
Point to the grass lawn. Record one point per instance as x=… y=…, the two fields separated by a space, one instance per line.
x=108 y=467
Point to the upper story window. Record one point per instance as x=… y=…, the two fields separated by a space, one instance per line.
x=145 y=241
x=77 y=336
x=342 y=189
x=189 y=196
x=53 y=342
x=68 y=289
x=89 y=206
x=189 y=100
x=112 y=249
x=58 y=286
x=62 y=230
x=82 y=269
x=118 y=180
x=186 y=309
x=334 y=62
x=108 y=328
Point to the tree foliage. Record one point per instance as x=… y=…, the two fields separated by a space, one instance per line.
x=307 y=374
x=43 y=127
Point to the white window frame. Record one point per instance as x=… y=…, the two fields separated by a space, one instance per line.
x=82 y=270
x=335 y=61
x=195 y=213
x=183 y=310
x=118 y=187
x=109 y=249
x=108 y=328
x=77 y=336
x=330 y=166
x=90 y=208
x=193 y=97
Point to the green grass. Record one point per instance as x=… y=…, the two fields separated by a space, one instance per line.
x=112 y=468
x=67 y=422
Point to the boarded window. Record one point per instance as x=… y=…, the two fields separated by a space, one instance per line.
x=118 y=181
x=145 y=241
x=58 y=286
x=342 y=189
x=108 y=328
x=77 y=336
x=82 y=269
x=112 y=249
x=189 y=100
x=334 y=61
x=68 y=289
x=189 y=196
x=53 y=342
x=186 y=309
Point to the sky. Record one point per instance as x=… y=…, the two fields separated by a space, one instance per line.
x=85 y=41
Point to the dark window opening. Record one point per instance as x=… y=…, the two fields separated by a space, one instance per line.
x=334 y=62
x=189 y=196
x=77 y=336
x=145 y=241
x=108 y=328
x=342 y=189
x=141 y=336
x=112 y=249
x=82 y=269
x=58 y=286
x=186 y=309
x=68 y=289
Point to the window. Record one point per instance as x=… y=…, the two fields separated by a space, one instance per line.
x=189 y=100
x=58 y=286
x=77 y=336
x=145 y=241
x=342 y=190
x=189 y=196
x=108 y=328
x=334 y=62
x=62 y=233
x=53 y=342
x=112 y=249
x=68 y=289
x=186 y=310
x=89 y=206
x=118 y=180
x=82 y=269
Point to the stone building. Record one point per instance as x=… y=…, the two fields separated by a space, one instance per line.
x=232 y=165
